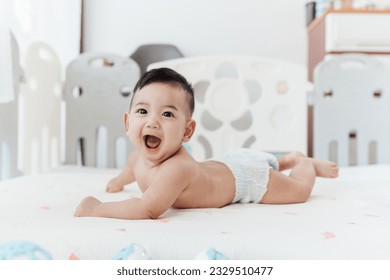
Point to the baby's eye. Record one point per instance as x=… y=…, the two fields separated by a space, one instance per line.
x=142 y=111
x=168 y=114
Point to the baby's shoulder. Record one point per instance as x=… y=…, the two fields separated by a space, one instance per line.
x=181 y=163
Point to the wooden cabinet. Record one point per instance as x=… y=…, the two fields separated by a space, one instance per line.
x=348 y=31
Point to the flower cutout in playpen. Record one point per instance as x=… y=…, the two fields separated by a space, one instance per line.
x=226 y=105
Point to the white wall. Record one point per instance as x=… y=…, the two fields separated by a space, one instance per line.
x=54 y=22
x=271 y=28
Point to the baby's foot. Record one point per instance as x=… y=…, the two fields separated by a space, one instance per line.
x=326 y=169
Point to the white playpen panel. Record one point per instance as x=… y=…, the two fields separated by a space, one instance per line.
x=97 y=93
x=244 y=101
x=9 y=121
x=352 y=110
x=8 y=139
x=40 y=98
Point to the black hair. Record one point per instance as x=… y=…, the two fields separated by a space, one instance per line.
x=167 y=76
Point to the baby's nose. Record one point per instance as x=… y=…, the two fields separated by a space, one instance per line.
x=152 y=123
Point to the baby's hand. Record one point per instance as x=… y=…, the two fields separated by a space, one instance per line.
x=86 y=207
x=114 y=186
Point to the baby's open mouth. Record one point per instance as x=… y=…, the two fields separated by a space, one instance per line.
x=152 y=142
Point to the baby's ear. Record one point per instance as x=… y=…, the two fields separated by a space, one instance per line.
x=126 y=122
x=190 y=129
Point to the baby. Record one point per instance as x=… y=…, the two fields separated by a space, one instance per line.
x=158 y=122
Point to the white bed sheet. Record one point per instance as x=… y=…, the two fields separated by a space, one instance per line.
x=346 y=218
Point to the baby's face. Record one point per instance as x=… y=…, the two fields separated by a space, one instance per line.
x=159 y=121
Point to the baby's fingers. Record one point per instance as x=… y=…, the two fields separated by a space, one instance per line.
x=113 y=188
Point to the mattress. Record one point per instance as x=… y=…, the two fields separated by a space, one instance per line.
x=345 y=218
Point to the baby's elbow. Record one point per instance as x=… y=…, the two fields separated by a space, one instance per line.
x=152 y=214
x=151 y=209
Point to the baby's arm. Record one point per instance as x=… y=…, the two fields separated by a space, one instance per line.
x=157 y=199
x=126 y=176
x=125 y=209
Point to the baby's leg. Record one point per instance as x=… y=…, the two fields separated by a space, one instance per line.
x=323 y=168
x=297 y=187
x=288 y=161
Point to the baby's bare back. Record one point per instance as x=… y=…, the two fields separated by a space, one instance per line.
x=214 y=186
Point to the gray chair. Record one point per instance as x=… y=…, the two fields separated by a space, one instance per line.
x=147 y=54
x=352 y=110
x=97 y=93
x=9 y=123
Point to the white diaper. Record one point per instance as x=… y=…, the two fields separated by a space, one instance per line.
x=250 y=169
